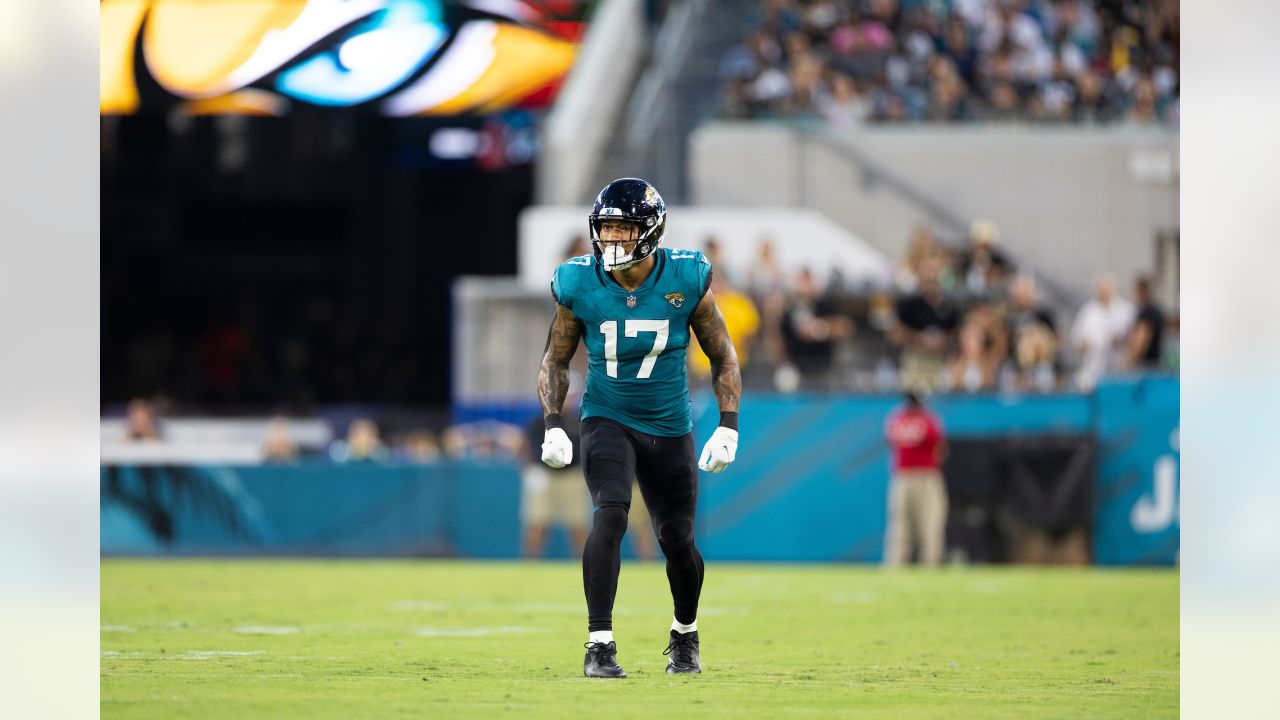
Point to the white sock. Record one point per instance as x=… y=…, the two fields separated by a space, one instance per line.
x=600 y=636
x=684 y=629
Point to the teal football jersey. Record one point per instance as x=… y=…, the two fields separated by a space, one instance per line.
x=636 y=340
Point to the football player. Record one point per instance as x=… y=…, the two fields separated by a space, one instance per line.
x=634 y=302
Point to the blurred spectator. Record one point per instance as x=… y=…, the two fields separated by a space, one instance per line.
x=766 y=284
x=1099 y=332
x=983 y=267
x=1092 y=102
x=741 y=320
x=1146 y=339
x=917 y=512
x=843 y=106
x=363 y=443
x=995 y=335
x=753 y=79
x=1143 y=110
x=1025 y=307
x=1006 y=28
x=278 y=445
x=1033 y=333
x=577 y=247
x=948 y=98
x=140 y=424
x=766 y=276
x=921 y=247
x=715 y=253
x=484 y=439
x=957 y=44
x=805 y=81
x=974 y=368
x=419 y=446
x=1034 y=357
x=926 y=320
x=1055 y=94
x=971 y=11
x=550 y=497
x=1071 y=21
x=811 y=327
x=1003 y=102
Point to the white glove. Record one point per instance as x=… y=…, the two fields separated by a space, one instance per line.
x=720 y=450
x=557 y=449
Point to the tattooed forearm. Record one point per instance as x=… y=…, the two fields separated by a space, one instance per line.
x=553 y=374
x=713 y=337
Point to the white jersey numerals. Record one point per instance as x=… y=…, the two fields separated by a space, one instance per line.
x=633 y=328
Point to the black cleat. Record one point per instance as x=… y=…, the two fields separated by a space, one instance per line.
x=683 y=650
x=602 y=661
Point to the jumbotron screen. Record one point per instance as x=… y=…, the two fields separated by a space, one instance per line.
x=394 y=57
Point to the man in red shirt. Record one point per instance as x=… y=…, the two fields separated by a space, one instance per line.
x=917 y=493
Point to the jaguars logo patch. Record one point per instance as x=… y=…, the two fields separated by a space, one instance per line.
x=676 y=299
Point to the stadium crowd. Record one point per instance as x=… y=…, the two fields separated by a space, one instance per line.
x=848 y=62
x=958 y=319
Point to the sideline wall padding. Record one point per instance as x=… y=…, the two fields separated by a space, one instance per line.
x=809 y=484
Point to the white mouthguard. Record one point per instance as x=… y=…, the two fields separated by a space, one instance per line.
x=614 y=257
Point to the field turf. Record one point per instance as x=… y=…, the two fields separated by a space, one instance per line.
x=446 y=639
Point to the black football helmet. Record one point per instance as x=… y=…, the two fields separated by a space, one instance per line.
x=636 y=202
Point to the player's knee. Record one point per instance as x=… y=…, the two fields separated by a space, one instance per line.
x=611 y=520
x=676 y=534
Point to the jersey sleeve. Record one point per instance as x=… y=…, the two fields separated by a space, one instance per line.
x=560 y=287
x=694 y=270
x=704 y=271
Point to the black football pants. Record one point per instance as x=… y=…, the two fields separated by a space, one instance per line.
x=612 y=454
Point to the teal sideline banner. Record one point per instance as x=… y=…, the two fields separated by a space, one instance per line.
x=312 y=508
x=809 y=484
x=1138 y=478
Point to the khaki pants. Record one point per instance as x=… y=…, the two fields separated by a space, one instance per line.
x=917 y=517
x=921 y=368
x=1038 y=547
x=554 y=497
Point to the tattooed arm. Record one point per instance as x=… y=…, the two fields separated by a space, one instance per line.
x=553 y=374
x=713 y=337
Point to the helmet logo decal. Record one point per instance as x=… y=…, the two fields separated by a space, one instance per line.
x=651 y=194
x=611 y=211
x=676 y=299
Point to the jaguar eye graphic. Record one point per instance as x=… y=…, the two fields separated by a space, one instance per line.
x=397 y=57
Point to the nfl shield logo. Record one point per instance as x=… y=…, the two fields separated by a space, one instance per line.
x=631 y=301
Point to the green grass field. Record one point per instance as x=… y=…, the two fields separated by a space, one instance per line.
x=443 y=639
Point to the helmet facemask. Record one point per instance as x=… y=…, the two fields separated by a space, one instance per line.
x=612 y=254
